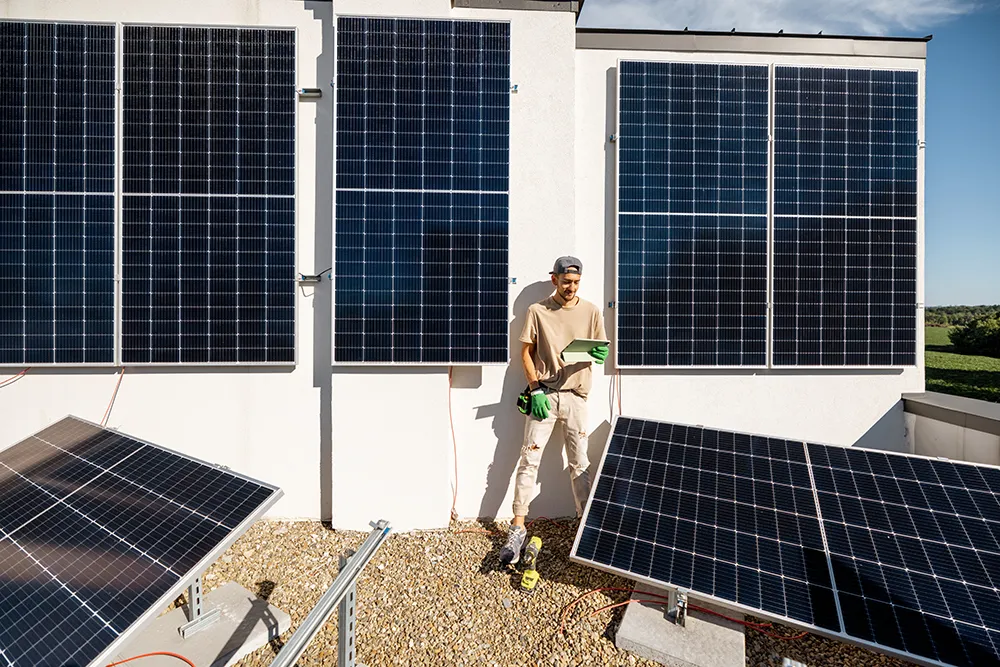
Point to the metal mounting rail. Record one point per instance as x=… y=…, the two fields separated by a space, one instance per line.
x=341 y=592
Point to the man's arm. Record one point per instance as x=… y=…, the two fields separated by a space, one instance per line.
x=527 y=349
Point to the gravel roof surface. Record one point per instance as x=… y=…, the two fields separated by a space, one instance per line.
x=438 y=598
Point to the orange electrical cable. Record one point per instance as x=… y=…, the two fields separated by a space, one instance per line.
x=14 y=378
x=618 y=375
x=496 y=531
x=107 y=413
x=149 y=655
x=568 y=608
x=763 y=628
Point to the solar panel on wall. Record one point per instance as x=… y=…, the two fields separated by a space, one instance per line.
x=57 y=134
x=900 y=553
x=423 y=111
x=845 y=217
x=208 y=212
x=99 y=533
x=692 y=224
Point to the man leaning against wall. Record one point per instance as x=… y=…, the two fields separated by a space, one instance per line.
x=558 y=391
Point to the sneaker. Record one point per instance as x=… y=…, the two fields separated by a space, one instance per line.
x=511 y=552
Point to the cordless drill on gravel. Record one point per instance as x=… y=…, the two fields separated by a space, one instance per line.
x=530 y=558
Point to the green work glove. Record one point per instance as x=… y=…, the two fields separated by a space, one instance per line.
x=599 y=353
x=540 y=405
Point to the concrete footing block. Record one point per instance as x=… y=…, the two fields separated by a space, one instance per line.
x=704 y=641
x=245 y=624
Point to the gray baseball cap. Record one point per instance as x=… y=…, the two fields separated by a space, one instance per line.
x=567 y=264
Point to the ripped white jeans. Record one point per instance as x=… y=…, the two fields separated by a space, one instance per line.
x=571 y=411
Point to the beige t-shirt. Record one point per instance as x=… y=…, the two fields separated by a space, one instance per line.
x=551 y=327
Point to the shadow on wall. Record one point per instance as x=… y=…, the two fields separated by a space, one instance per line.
x=888 y=433
x=555 y=497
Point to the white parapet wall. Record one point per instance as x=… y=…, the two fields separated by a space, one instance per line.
x=953 y=427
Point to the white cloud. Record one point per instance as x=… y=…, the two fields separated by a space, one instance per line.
x=874 y=17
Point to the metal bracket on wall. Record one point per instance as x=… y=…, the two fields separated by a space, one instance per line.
x=313 y=279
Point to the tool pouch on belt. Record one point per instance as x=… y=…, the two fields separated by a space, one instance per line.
x=524 y=398
x=524 y=401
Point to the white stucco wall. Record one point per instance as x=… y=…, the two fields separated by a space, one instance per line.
x=393 y=452
x=355 y=444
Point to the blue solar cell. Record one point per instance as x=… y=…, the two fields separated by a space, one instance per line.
x=57 y=210
x=422 y=176
x=208 y=229
x=692 y=230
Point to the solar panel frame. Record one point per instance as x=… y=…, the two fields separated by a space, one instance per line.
x=423 y=193
x=877 y=496
x=722 y=602
x=181 y=195
x=728 y=604
x=186 y=578
x=618 y=213
x=917 y=219
x=771 y=216
x=84 y=192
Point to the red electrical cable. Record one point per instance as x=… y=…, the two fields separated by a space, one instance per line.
x=568 y=608
x=107 y=413
x=14 y=378
x=495 y=531
x=148 y=655
x=759 y=627
x=454 y=444
x=763 y=628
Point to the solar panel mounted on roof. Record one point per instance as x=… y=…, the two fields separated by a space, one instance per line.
x=915 y=548
x=845 y=217
x=901 y=553
x=729 y=516
x=423 y=110
x=57 y=134
x=208 y=231
x=692 y=225
x=100 y=532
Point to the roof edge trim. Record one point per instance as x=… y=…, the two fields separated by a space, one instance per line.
x=531 y=5
x=751 y=42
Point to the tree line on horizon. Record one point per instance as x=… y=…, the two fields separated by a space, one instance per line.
x=957 y=316
x=974 y=329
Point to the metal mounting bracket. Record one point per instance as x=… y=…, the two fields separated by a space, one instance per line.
x=346 y=620
x=677 y=606
x=198 y=618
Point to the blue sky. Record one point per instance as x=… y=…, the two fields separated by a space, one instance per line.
x=962 y=176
